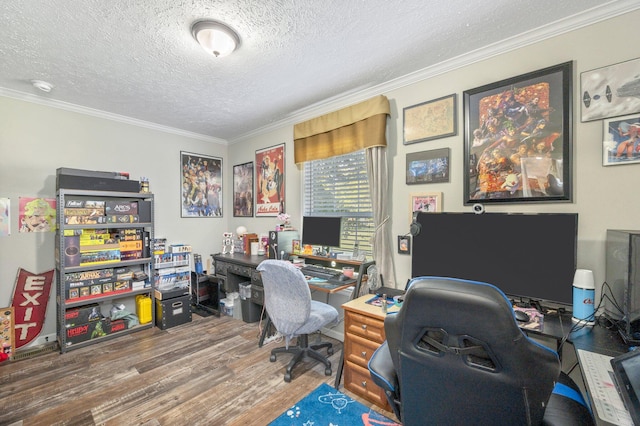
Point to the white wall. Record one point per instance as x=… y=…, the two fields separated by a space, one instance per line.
x=35 y=140
x=604 y=197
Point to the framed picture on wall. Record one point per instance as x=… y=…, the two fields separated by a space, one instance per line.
x=269 y=192
x=517 y=138
x=425 y=202
x=621 y=140
x=610 y=91
x=243 y=190
x=428 y=166
x=201 y=191
x=404 y=244
x=429 y=120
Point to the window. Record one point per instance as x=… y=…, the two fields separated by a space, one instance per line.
x=338 y=186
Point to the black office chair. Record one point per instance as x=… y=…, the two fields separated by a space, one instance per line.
x=288 y=302
x=455 y=355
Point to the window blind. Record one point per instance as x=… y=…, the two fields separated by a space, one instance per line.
x=338 y=186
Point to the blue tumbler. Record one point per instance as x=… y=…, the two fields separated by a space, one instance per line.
x=584 y=294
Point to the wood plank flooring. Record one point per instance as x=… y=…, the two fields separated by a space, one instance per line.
x=207 y=372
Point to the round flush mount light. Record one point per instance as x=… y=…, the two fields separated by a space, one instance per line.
x=42 y=85
x=215 y=37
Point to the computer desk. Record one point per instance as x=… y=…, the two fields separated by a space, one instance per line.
x=601 y=340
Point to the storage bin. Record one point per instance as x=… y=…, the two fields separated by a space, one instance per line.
x=173 y=312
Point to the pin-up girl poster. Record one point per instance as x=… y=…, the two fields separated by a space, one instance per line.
x=270 y=182
x=37 y=214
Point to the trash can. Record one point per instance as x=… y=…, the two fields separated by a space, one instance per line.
x=250 y=311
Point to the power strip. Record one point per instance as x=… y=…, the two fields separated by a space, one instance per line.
x=276 y=336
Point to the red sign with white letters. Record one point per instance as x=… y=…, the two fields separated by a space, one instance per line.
x=30 y=299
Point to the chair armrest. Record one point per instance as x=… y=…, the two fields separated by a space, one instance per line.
x=382 y=370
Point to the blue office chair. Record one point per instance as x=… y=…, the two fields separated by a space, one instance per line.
x=287 y=299
x=454 y=355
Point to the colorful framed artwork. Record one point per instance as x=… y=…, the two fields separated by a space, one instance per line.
x=610 y=91
x=621 y=140
x=429 y=120
x=243 y=190
x=517 y=138
x=404 y=244
x=270 y=181
x=201 y=190
x=428 y=166
x=425 y=202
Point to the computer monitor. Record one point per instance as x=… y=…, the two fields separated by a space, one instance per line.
x=528 y=256
x=321 y=231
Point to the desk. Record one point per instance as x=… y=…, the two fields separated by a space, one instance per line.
x=600 y=340
x=236 y=268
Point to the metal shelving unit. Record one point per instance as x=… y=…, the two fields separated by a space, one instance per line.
x=144 y=264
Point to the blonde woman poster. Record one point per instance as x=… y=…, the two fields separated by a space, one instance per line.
x=37 y=214
x=5 y=217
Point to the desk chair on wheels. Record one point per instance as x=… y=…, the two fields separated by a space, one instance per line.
x=287 y=299
x=454 y=355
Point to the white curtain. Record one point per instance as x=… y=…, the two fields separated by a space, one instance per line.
x=378 y=173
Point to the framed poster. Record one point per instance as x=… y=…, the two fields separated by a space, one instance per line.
x=610 y=91
x=517 y=141
x=621 y=140
x=428 y=166
x=429 y=120
x=7 y=332
x=201 y=191
x=425 y=202
x=270 y=181
x=243 y=190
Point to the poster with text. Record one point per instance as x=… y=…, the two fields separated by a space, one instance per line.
x=270 y=182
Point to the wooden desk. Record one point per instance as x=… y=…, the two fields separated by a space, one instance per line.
x=363 y=334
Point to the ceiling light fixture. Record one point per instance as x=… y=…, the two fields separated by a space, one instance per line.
x=215 y=37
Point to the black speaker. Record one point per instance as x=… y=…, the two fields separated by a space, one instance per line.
x=415 y=227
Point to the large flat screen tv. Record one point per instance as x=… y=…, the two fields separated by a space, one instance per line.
x=527 y=256
x=321 y=231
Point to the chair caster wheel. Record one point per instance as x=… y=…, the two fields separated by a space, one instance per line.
x=272 y=358
x=327 y=371
x=287 y=377
x=330 y=351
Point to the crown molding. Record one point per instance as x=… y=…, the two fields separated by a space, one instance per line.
x=610 y=10
x=27 y=97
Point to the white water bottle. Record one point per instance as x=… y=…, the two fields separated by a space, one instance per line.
x=584 y=293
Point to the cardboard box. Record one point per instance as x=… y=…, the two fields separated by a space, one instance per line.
x=115 y=207
x=82 y=315
x=93 y=330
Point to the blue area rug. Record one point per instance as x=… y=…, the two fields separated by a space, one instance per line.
x=326 y=406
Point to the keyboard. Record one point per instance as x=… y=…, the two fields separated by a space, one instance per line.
x=320 y=272
x=598 y=372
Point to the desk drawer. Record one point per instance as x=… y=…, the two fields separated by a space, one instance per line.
x=221 y=268
x=359 y=350
x=367 y=327
x=358 y=380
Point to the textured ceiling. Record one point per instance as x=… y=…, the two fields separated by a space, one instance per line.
x=138 y=59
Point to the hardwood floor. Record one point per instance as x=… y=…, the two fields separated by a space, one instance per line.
x=207 y=372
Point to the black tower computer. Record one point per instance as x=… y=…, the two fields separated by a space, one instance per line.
x=623 y=277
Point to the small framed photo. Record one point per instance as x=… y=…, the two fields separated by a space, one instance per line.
x=621 y=140
x=428 y=166
x=429 y=120
x=425 y=202
x=404 y=244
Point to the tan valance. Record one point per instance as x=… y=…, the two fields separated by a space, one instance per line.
x=340 y=132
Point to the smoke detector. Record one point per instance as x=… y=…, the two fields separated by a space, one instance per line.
x=42 y=85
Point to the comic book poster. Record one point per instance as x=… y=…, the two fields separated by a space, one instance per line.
x=37 y=214
x=270 y=183
x=201 y=191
